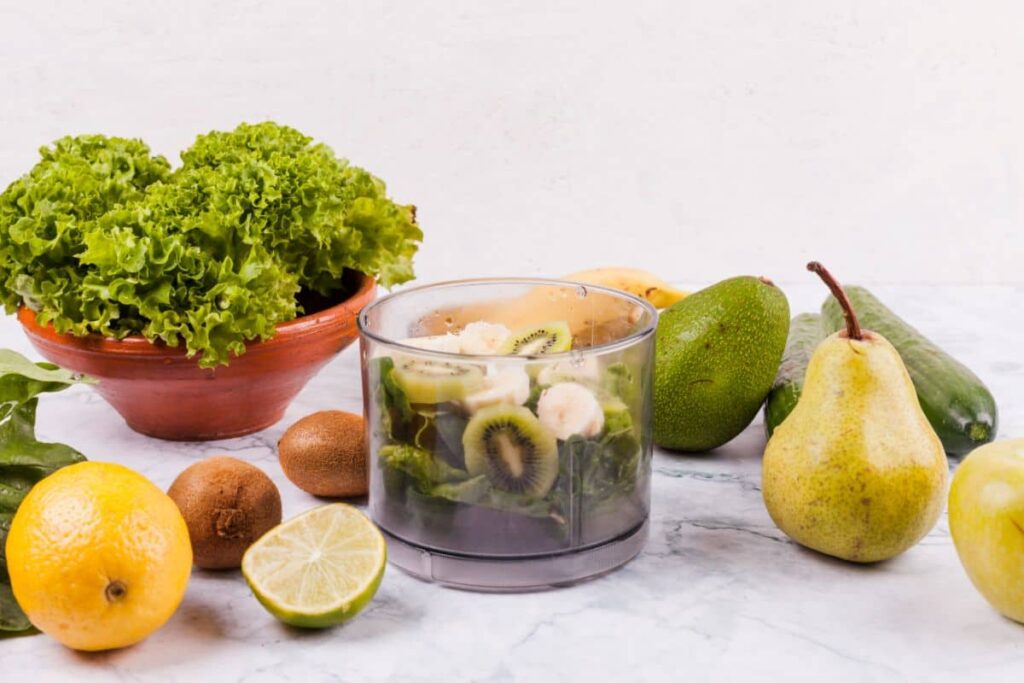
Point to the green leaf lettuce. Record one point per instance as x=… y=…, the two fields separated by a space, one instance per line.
x=102 y=237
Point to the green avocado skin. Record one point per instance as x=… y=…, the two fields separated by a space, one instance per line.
x=716 y=355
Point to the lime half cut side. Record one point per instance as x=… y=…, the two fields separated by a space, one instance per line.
x=317 y=569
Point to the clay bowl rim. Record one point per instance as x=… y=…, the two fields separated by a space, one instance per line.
x=138 y=346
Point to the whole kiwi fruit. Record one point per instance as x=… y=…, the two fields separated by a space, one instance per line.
x=325 y=454
x=227 y=505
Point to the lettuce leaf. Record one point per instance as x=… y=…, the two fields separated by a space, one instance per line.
x=102 y=237
x=420 y=465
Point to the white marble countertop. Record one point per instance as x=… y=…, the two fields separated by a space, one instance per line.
x=718 y=594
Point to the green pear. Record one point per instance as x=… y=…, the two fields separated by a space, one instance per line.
x=986 y=518
x=855 y=471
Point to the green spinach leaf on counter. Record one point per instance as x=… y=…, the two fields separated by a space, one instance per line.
x=24 y=460
x=424 y=453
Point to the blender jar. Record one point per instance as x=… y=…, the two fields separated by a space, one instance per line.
x=508 y=423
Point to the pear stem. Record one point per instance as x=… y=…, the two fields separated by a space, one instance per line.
x=853 y=330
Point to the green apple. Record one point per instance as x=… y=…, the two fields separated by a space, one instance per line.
x=986 y=518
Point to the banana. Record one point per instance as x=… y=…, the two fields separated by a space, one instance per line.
x=570 y=408
x=483 y=338
x=500 y=385
x=592 y=319
x=633 y=280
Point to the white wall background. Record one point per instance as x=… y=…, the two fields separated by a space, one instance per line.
x=700 y=139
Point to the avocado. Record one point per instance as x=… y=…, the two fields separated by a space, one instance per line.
x=717 y=352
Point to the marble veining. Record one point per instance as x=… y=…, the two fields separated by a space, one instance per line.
x=719 y=593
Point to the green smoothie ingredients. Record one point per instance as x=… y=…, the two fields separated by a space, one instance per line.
x=227 y=504
x=24 y=460
x=855 y=471
x=318 y=569
x=717 y=354
x=255 y=227
x=959 y=406
x=527 y=443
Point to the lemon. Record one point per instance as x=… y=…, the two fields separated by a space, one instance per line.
x=318 y=569
x=98 y=556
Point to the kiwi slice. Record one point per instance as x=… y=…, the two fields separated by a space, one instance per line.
x=539 y=340
x=510 y=445
x=429 y=380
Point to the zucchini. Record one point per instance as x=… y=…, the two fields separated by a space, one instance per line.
x=805 y=333
x=958 y=405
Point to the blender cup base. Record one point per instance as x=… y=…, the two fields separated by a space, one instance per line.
x=515 y=574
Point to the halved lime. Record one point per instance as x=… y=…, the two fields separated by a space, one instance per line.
x=317 y=569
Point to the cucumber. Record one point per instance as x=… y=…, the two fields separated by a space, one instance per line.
x=958 y=405
x=805 y=333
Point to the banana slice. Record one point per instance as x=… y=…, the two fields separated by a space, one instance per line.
x=500 y=385
x=570 y=408
x=483 y=338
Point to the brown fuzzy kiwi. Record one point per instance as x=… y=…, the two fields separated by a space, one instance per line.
x=325 y=454
x=227 y=504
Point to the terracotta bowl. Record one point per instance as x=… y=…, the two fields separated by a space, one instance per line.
x=162 y=393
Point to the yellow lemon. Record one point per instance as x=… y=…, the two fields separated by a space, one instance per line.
x=98 y=556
